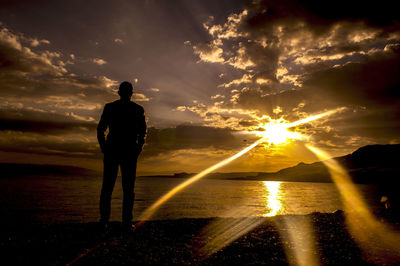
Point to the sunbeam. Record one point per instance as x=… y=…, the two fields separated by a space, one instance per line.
x=266 y=137
x=366 y=229
x=276 y=130
x=149 y=211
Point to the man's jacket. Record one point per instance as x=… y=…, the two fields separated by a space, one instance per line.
x=126 y=124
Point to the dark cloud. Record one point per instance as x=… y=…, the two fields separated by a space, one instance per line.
x=34 y=144
x=380 y=125
x=265 y=58
x=375 y=81
x=370 y=88
x=189 y=137
x=306 y=57
x=45 y=133
x=319 y=14
x=28 y=131
x=42 y=122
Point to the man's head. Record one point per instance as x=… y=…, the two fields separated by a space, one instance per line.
x=125 y=90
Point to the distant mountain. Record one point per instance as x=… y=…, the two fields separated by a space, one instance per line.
x=315 y=172
x=40 y=170
x=368 y=164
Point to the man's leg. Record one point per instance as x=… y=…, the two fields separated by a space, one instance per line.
x=109 y=177
x=128 y=172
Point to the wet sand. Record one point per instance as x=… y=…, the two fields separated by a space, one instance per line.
x=179 y=242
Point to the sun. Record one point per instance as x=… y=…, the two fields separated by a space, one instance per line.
x=276 y=132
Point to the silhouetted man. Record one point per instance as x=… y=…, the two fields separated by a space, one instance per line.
x=126 y=126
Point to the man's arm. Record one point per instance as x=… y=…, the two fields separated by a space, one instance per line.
x=142 y=129
x=102 y=128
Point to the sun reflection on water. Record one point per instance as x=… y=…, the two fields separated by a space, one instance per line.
x=273 y=198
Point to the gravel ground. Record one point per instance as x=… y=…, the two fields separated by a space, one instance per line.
x=279 y=240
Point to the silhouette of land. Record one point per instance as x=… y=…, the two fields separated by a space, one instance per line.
x=176 y=242
x=372 y=164
x=367 y=165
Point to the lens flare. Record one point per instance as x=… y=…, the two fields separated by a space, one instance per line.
x=274 y=131
x=363 y=225
x=149 y=212
x=221 y=232
x=298 y=238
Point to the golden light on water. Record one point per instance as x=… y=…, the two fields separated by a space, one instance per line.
x=273 y=203
x=272 y=134
x=223 y=231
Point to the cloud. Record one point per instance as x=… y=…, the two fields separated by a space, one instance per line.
x=139 y=97
x=278 y=49
x=36 y=144
x=28 y=74
x=19 y=59
x=209 y=52
x=118 y=41
x=25 y=120
x=44 y=108
x=245 y=79
x=36 y=42
x=29 y=131
x=373 y=81
x=39 y=132
x=296 y=59
x=189 y=137
x=277 y=110
x=218 y=96
x=99 y=61
x=283 y=48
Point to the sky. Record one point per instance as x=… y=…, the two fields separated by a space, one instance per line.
x=207 y=74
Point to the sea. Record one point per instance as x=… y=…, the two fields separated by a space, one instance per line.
x=75 y=199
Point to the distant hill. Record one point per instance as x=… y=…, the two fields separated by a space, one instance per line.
x=39 y=170
x=368 y=164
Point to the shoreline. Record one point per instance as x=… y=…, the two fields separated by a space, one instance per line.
x=182 y=242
